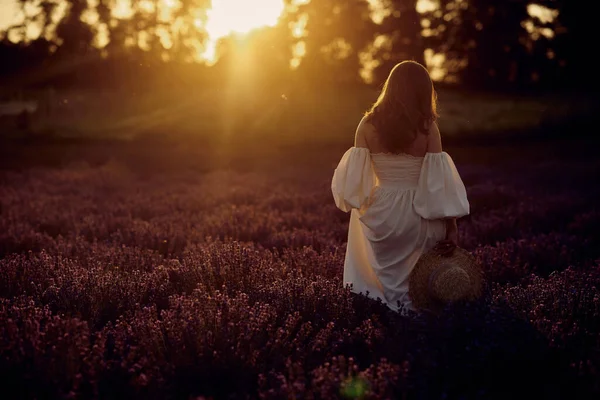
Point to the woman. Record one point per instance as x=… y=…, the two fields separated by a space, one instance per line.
x=403 y=191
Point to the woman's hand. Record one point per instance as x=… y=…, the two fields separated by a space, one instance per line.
x=446 y=247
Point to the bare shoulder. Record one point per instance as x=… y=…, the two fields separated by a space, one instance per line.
x=364 y=133
x=434 y=139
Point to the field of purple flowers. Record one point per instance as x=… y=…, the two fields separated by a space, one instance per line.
x=182 y=280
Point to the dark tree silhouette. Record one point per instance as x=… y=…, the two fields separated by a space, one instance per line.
x=134 y=50
x=335 y=33
x=20 y=56
x=576 y=30
x=484 y=40
x=75 y=36
x=402 y=27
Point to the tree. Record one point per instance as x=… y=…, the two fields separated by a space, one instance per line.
x=485 y=39
x=334 y=34
x=401 y=28
x=74 y=36
x=575 y=29
x=19 y=57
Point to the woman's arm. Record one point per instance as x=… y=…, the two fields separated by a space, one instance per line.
x=363 y=130
x=434 y=145
x=434 y=139
x=452 y=230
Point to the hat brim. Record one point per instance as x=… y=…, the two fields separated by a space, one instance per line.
x=419 y=278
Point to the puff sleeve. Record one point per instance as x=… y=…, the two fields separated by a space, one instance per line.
x=440 y=192
x=353 y=179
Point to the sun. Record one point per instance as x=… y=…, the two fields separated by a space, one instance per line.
x=226 y=17
x=241 y=16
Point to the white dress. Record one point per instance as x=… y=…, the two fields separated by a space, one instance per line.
x=397 y=202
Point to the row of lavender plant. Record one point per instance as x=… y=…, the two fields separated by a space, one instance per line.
x=229 y=285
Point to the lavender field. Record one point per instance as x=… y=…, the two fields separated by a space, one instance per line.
x=164 y=272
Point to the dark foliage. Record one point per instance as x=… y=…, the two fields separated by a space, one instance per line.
x=487 y=44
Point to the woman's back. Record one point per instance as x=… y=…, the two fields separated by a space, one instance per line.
x=398 y=185
x=397 y=171
x=368 y=137
x=398 y=202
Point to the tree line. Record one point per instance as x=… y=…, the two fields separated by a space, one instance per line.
x=482 y=43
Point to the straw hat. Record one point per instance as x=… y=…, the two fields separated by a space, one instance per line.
x=440 y=277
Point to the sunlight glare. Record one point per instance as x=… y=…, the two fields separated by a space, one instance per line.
x=238 y=17
x=424 y=6
x=544 y=14
x=122 y=9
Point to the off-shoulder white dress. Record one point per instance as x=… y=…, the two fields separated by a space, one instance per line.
x=397 y=204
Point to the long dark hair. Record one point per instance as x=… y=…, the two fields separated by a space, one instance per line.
x=405 y=107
